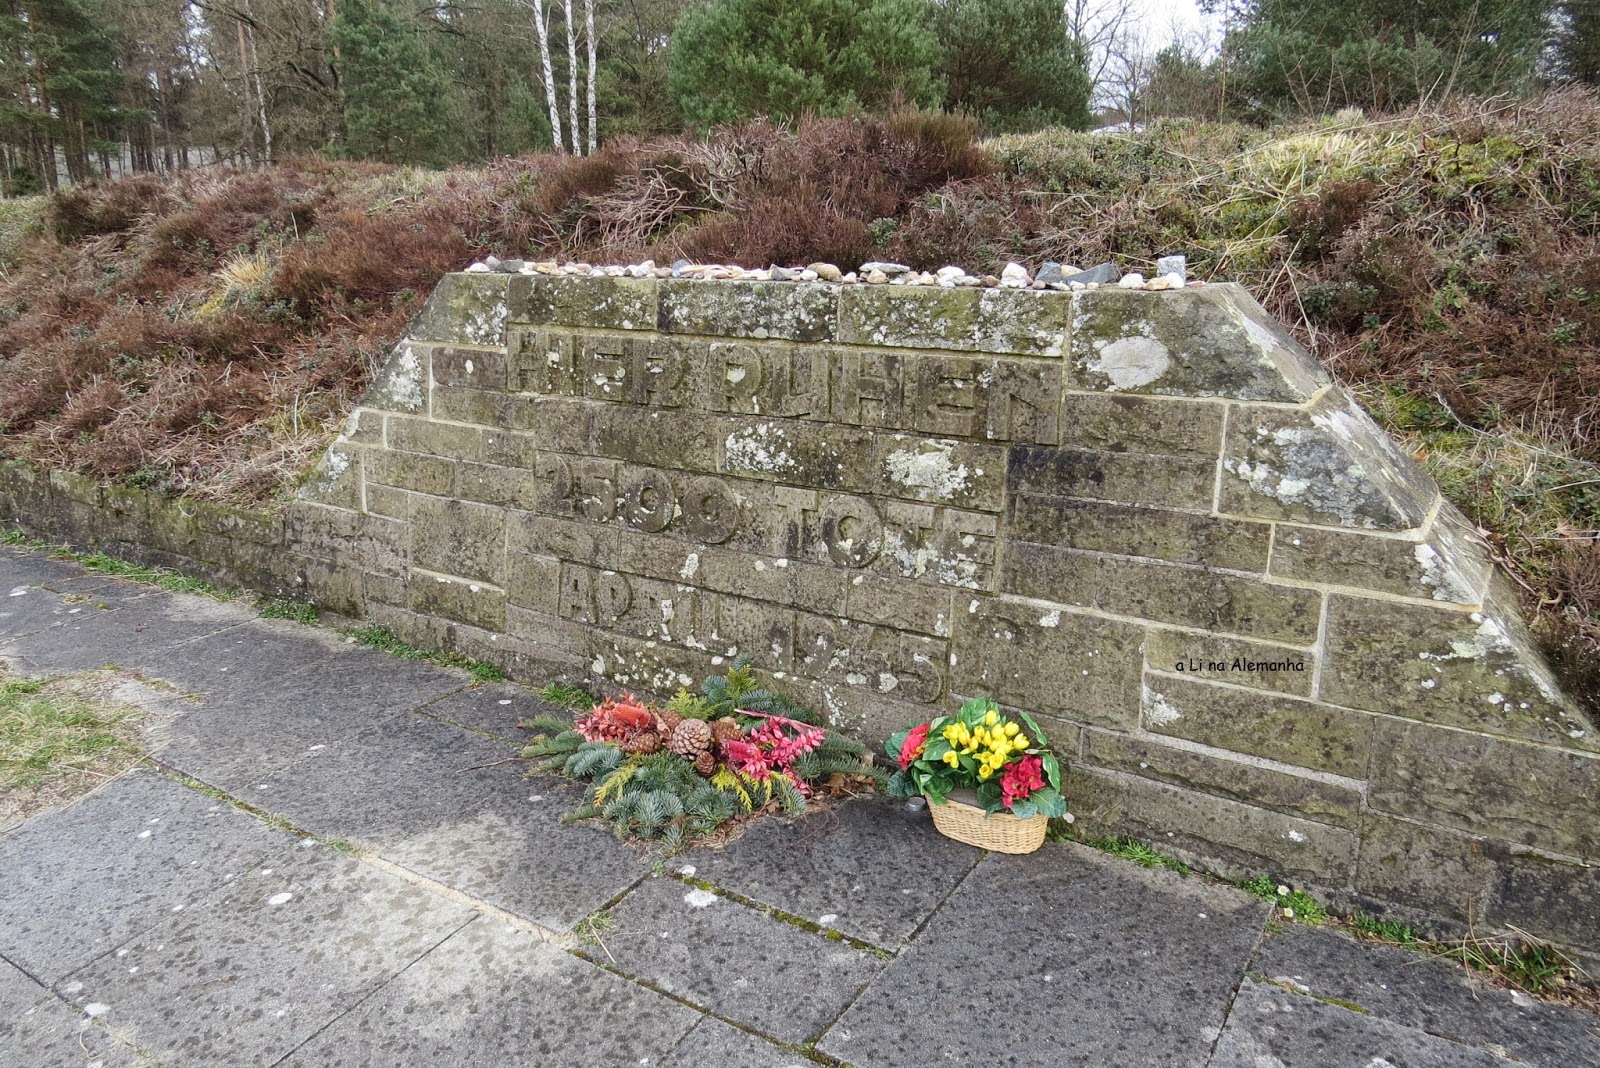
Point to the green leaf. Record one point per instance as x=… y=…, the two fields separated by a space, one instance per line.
x=1048 y=801
x=937 y=748
x=1052 y=769
x=903 y=784
x=1037 y=735
x=1027 y=808
x=990 y=796
x=896 y=745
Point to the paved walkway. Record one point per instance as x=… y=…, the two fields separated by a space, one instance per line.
x=153 y=922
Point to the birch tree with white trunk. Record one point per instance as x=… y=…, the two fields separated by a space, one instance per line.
x=541 y=23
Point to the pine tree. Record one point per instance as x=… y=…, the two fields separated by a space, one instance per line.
x=735 y=58
x=1011 y=64
x=394 y=86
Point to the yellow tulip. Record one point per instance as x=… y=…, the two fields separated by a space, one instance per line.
x=985 y=771
x=1021 y=742
x=1011 y=730
x=992 y=718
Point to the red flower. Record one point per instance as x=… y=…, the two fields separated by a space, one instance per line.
x=1021 y=779
x=915 y=743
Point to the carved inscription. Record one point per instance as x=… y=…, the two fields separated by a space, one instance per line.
x=993 y=398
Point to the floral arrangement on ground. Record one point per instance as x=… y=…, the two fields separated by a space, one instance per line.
x=682 y=771
x=1005 y=762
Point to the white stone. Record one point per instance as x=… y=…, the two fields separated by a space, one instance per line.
x=1131 y=280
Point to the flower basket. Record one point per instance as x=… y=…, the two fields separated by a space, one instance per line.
x=966 y=821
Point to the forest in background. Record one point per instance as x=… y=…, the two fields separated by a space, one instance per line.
x=106 y=87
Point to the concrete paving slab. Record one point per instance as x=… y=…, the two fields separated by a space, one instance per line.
x=495 y=995
x=134 y=626
x=714 y=1044
x=404 y=776
x=76 y=882
x=18 y=990
x=813 y=868
x=269 y=695
x=1435 y=996
x=23 y=567
x=514 y=852
x=495 y=709
x=1145 y=962
x=1270 y=1026
x=49 y=1034
x=248 y=974
x=742 y=964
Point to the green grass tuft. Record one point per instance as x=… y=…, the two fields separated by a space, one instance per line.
x=375 y=636
x=48 y=736
x=1136 y=851
x=574 y=697
x=1383 y=930
x=299 y=611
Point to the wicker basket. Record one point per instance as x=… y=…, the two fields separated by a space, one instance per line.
x=961 y=818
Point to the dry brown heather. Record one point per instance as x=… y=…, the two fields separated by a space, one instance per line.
x=202 y=334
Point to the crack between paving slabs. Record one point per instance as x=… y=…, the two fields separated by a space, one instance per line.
x=104 y=1027
x=1233 y=994
x=470 y=920
x=790 y=918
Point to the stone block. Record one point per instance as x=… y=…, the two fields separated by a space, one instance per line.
x=1123 y=422
x=1156 y=533
x=937 y=471
x=1531 y=795
x=367 y=543
x=888 y=602
x=1162 y=593
x=409 y=471
x=1478 y=670
x=535 y=422
x=1189 y=343
x=1434 y=871
x=1216 y=773
x=1408 y=567
x=364 y=426
x=469 y=368
x=1278 y=727
x=1548 y=898
x=925 y=317
x=594 y=301
x=504 y=487
x=389 y=503
x=533 y=581
x=472 y=309
x=474 y=603
x=456 y=538
x=401 y=384
x=1214 y=658
x=1327 y=465
x=1133 y=478
x=791 y=451
x=1226 y=837
x=996 y=399
x=337 y=478
x=1064 y=664
x=568 y=539
x=677 y=439
x=791 y=311
x=450 y=441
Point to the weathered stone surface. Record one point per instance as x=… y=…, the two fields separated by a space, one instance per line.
x=471 y=309
x=1133 y=478
x=721 y=956
x=1548 y=899
x=38 y=1029
x=78 y=882
x=1406 y=567
x=405 y=471
x=302 y=971
x=1193 y=343
x=1154 y=533
x=1277 y=727
x=478 y=368
x=1270 y=1025
x=494 y=995
x=454 y=538
x=1437 y=997
x=449 y=441
x=1233 y=838
x=1121 y=422
x=809 y=868
x=1164 y=593
x=1317 y=799
x=463 y=600
x=1328 y=465
x=1066 y=905
x=937 y=471
x=1470 y=669
x=594 y=301
x=1214 y=658
x=402 y=384
x=1426 y=870
x=791 y=311
x=986 y=320
x=336 y=480
x=1527 y=794
x=1065 y=664
x=714 y=1042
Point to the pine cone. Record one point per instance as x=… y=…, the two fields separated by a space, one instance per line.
x=667 y=722
x=692 y=738
x=705 y=764
x=725 y=729
x=643 y=743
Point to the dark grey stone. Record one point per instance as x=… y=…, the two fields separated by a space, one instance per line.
x=813 y=868
x=117 y=622
x=496 y=708
x=1434 y=996
x=1271 y=1027
x=713 y=1044
x=78 y=881
x=20 y=567
x=18 y=990
x=1090 y=961
x=1178 y=265
x=495 y=995
x=743 y=965
x=511 y=266
x=1049 y=272
x=246 y=975
x=1103 y=274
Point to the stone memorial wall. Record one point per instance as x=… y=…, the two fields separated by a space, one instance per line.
x=1250 y=624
